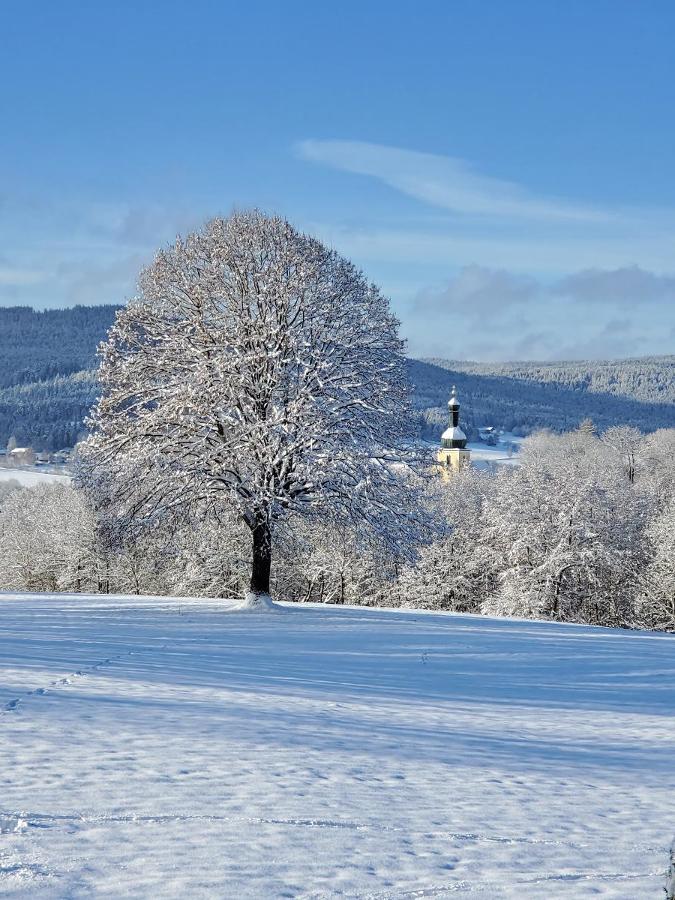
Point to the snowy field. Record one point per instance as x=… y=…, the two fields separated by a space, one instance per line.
x=504 y=453
x=31 y=477
x=482 y=454
x=167 y=749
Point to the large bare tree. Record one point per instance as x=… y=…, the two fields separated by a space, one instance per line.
x=256 y=368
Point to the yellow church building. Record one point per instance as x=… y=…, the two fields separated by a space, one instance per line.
x=453 y=455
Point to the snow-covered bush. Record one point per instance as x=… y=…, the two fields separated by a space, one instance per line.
x=7 y=488
x=209 y=560
x=670 y=874
x=581 y=530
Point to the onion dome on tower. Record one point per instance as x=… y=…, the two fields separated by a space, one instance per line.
x=453 y=437
x=453 y=455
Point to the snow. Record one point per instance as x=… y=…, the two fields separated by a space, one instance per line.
x=31 y=477
x=454 y=433
x=158 y=747
x=503 y=453
x=483 y=456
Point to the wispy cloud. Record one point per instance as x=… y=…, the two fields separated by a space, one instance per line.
x=497 y=224
x=13 y=277
x=534 y=250
x=445 y=182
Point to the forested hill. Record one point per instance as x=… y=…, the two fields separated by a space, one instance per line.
x=648 y=378
x=47 y=384
x=36 y=346
x=522 y=397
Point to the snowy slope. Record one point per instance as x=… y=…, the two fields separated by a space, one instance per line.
x=159 y=748
x=31 y=477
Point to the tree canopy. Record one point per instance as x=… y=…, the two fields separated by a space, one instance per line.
x=256 y=370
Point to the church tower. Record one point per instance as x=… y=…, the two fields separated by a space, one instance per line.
x=453 y=455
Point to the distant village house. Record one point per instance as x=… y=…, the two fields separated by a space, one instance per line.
x=21 y=456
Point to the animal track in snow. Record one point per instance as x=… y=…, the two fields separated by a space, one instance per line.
x=11 y=705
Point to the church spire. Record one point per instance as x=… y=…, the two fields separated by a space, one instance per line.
x=453 y=437
x=453 y=405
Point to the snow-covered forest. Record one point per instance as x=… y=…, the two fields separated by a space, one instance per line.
x=47 y=377
x=583 y=531
x=48 y=385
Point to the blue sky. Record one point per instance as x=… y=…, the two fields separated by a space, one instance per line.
x=503 y=170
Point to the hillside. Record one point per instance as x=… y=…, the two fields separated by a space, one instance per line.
x=39 y=345
x=649 y=379
x=47 y=415
x=170 y=748
x=47 y=385
x=523 y=397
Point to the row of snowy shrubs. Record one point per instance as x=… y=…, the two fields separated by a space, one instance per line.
x=582 y=530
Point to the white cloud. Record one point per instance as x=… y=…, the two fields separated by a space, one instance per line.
x=445 y=182
x=496 y=314
x=629 y=285
x=477 y=292
x=60 y=253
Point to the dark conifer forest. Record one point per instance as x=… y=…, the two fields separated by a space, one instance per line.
x=48 y=384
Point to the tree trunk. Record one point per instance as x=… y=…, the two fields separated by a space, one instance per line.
x=262 y=557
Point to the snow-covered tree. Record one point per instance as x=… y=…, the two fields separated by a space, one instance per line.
x=627 y=443
x=656 y=605
x=331 y=561
x=567 y=524
x=656 y=465
x=587 y=427
x=47 y=540
x=258 y=369
x=454 y=572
